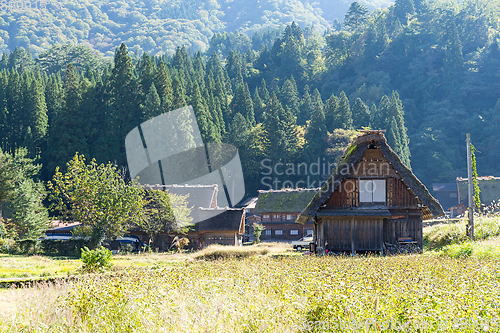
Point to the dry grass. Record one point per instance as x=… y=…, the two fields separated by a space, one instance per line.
x=269 y=294
x=216 y=252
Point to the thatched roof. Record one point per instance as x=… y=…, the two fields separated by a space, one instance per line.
x=352 y=154
x=283 y=201
x=222 y=219
x=200 y=196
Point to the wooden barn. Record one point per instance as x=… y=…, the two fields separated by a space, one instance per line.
x=371 y=199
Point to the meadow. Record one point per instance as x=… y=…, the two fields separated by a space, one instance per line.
x=267 y=293
x=453 y=287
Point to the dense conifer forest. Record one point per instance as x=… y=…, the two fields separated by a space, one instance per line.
x=426 y=72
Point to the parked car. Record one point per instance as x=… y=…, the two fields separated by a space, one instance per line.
x=302 y=243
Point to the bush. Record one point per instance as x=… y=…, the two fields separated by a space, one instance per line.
x=96 y=260
x=7 y=245
x=71 y=247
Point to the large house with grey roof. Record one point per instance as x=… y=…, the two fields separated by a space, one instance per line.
x=278 y=210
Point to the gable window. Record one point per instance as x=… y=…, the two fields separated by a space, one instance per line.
x=278 y=232
x=372 y=190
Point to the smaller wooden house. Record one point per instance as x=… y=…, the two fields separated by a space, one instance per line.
x=370 y=200
x=278 y=210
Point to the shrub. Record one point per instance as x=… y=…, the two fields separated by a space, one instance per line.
x=7 y=245
x=96 y=260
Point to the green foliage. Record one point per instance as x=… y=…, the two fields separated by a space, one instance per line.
x=163 y=212
x=97 y=196
x=97 y=260
x=476 y=198
x=356 y=15
x=257 y=231
x=441 y=235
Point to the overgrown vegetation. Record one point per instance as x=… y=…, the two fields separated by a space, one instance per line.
x=451 y=239
x=97 y=260
x=298 y=294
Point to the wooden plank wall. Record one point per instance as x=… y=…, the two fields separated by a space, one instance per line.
x=404 y=227
x=398 y=195
x=373 y=164
x=346 y=195
x=367 y=234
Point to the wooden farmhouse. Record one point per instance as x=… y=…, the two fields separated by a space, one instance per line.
x=278 y=210
x=371 y=199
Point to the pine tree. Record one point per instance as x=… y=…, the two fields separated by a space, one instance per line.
x=238 y=131
x=454 y=61
x=356 y=15
x=317 y=103
x=68 y=134
x=208 y=130
x=331 y=113
x=14 y=100
x=316 y=135
x=163 y=86
x=152 y=104
x=380 y=118
x=179 y=98
x=398 y=137
x=37 y=110
x=29 y=215
x=258 y=106
x=403 y=8
x=4 y=114
x=263 y=92
x=290 y=96
x=242 y=103
x=124 y=102
x=305 y=107
x=360 y=114
x=281 y=131
x=344 y=115
x=147 y=73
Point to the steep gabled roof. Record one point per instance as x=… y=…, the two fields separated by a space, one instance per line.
x=431 y=207
x=283 y=201
x=222 y=219
x=200 y=196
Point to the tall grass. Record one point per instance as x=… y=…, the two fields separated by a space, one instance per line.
x=269 y=294
x=440 y=235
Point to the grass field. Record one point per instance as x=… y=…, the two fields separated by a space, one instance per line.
x=268 y=294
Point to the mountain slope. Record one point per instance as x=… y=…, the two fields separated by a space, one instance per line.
x=153 y=26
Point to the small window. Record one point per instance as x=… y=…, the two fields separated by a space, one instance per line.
x=278 y=232
x=372 y=190
x=309 y=232
x=277 y=216
x=265 y=216
x=294 y=232
x=290 y=217
x=268 y=232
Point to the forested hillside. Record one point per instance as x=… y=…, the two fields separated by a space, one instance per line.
x=426 y=72
x=156 y=26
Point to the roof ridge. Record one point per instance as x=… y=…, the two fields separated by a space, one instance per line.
x=287 y=190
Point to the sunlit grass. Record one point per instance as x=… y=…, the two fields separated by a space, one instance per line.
x=268 y=294
x=35 y=266
x=451 y=239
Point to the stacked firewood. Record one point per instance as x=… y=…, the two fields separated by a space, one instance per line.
x=402 y=248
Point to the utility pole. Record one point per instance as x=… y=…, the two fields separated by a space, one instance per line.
x=470 y=227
